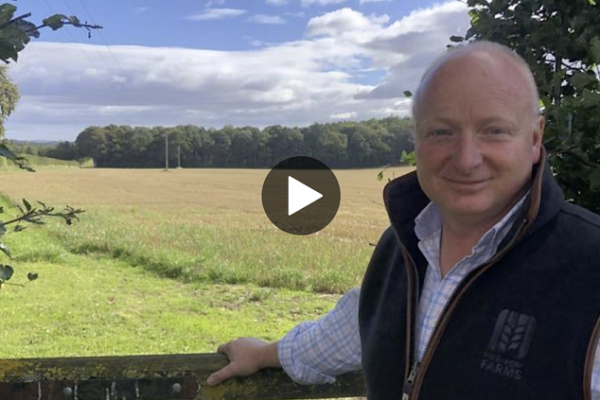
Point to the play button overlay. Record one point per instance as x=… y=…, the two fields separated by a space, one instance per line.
x=301 y=195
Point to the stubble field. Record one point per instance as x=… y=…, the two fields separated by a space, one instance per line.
x=173 y=262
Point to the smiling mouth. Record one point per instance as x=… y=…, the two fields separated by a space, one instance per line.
x=467 y=184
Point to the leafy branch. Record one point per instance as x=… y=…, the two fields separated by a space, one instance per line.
x=17 y=31
x=57 y=21
x=21 y=162
x=15 y=34
x=34 y=215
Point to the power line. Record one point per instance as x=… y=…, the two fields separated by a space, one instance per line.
x=68 y=32
x=95 y=48
x=87 y=11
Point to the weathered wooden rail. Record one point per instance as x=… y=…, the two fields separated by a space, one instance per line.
x=165 y=377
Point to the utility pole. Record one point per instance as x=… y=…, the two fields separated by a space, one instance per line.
x=166 y=151
x=178 y=156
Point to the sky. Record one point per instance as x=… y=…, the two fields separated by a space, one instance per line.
x=225 y=62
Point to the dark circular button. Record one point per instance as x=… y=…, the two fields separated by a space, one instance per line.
x=301 y=195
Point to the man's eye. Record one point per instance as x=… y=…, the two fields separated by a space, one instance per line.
x=496 y=131
x=440 y=133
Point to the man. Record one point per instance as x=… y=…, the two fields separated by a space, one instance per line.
x=486 y=283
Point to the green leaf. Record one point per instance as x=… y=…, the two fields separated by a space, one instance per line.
x=595 y=49
x=32 y=276
x=27 y=205
x=74 y=20
x=5 y=250
x=474 y=17
x=407 y=93
x=581 y=80
x=595 y=179
x=54 y=22
x=6 y=152
x=408 y=158
x=590 y=99
x=6 y=272
x=6 y=12
x=592 y=2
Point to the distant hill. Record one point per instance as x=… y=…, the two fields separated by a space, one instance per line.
x=35 y=142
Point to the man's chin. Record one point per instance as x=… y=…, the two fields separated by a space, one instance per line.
x=471 y=207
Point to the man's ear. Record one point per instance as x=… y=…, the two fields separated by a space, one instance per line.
x=538 y=134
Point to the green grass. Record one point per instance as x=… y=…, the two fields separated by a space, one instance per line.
x=172 y=262
x=194 y=253
x=83 y=305
x=208 y=226
x=45 y=162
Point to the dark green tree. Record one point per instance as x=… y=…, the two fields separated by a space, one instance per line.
x=243 y=148
x=9 y=96
x=325 y=143
x=91 y=143
x=221 y=148
x=284 y=142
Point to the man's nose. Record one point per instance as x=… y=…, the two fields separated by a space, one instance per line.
x=467 y=155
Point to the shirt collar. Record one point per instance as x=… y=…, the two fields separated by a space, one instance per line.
x=429 y=223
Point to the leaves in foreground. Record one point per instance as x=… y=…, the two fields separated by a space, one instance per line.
x=30 y=214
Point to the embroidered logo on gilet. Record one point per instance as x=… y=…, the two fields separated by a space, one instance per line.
x=509 y=344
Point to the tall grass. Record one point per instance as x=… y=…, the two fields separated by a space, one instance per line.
x=209 y=226
x=83 y=305
x=104 y=288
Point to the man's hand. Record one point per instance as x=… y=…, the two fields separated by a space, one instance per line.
x=246 y=356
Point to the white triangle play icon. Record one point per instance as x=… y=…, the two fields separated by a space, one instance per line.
x=300 y=195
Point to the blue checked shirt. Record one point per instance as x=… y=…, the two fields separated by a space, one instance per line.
x=315 y=352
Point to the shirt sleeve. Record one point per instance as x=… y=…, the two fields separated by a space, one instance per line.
x=596 y=375
x=317 y=351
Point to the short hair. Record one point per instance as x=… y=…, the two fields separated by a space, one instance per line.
x=478 y=46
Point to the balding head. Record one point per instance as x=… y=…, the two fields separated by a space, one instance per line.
x=499 y=59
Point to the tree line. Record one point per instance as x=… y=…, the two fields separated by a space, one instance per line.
x=371 y=143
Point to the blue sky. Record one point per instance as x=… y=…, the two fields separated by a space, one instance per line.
x=218 y=62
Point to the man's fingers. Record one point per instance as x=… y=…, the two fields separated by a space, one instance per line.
x=224 y=373
x=221 y=375
x=224 y=348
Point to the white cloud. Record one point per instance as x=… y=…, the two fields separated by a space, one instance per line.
x=349 y=65
x=140 y=10
x=344 y=21
x=372 y=1
x=299 y=14
x=407 y=46
x=307 y=3
x=216 y=13
x=212 y=3
x=267 y=19
x=278 y=2
x=256 y=43
x=344 y=116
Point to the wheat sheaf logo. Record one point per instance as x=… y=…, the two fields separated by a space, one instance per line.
x=509 y=345
x=512 y=334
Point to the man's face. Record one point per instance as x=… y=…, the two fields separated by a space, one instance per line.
x=476 y=139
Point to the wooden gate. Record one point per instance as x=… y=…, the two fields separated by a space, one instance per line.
x=165 y=377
